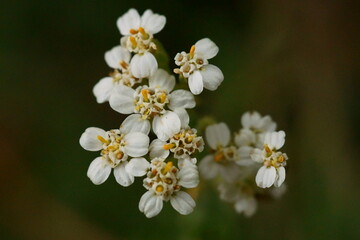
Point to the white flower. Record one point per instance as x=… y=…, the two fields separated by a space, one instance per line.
x=255 y=122
x=117 y=58
x=272 y=171
x=183 y=144
x=194 y=66
x=223 y=160
x=138 y=38
x=152 y=103
x=116 y=147
x=163 y=183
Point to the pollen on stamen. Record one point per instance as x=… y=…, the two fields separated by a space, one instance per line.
x=192 y=50
x=168 y=146
x=133 y=41
x=133 y=31
x=103 y=140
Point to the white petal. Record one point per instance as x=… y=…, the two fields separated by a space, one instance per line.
x=265 y=177
x=189 y=176
x=143 y=65
x=157 y=150
x=206 y=48
x=123 y=177
x=244 y=156
x=183 y=203
x=135 y=123
x=98 y=171
x=103 y=89
x=196 y=84
x=152 y=22
x=275 y=140
x=144 y=198
x=245 y=137
x=212 y=77
x=184 y=117
x=117 y=54
x=166 y=126
x=163 y=80
x=150 y=204
x=89 y=140
x=137 y=144
x=181 y=99
x=130 y=20
x=122 y=99
x=208 y=167
x=137 y=167
x=251 y=207
x=217 y=134
x=247 y=119
x=257 y=155
x=280 y=178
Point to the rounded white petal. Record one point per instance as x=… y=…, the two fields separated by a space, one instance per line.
x=144 y=65
x=166 y=126
x=98 y=171
x=117 y=54
x=150 y=204
x=246 y=205
x=137 y=144
x=137 y=167
x=122 y=99
x=206 y=48
x=248 y=119
x=257 y=155
x=181 y=99
x=212 y=77
x=280 y=177
x=183 y=203
x=244 y=156
x=152 y=22
x=217 y=134
x=144 y=198
x=275 y=140
x=183 y=115
x=208 y=167
x=189 y=176
x=123 y=177
x=246 y=137
x=265 y=177
x=163 y=80
x=135 y=123
x=103 y=89
x=157 y=150
x=130 y=20
x=89 y=140
x=196 y=84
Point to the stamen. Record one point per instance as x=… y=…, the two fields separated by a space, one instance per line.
x=133 y=31
x=169 y=146
x=159 y=188
x=143 y=33
x=162 y=98
x=168 y=167
x=103 y=140
x=189 y=139
x=281 y=159
x=133 y=41
x=142 y=30
x=144 y=93
x=120 y=155
x=267 y=149
x=192 y=50
x=218 y=157
x=123 y=64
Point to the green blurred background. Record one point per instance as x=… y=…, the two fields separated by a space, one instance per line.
x=295 y=60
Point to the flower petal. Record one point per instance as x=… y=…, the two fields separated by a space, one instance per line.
x=98 y=171
x=265 y=177
x=166 y=126
x=245 y=137
x=280 y=177
x=137 y=167
x=157 y=150
x=135 y=123
x=275 y=140
x=122 y=99
x=196 y=84
x=206 y=48
x=143 y=65
x=244 y=153
x=103 y=89
x=183 y=115
x=181 y=99
x=137 y=144
x=212 y=77
x=89 y=140
x=117 y=54
x=189 y=176
x=150 y=204
x=208 y=167
x=183 y=203
x=130 y=20
x=152 y=22
x=217 y=134
x=163 y=80
x=123 y=177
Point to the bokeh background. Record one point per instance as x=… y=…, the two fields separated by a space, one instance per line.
x=295 y=60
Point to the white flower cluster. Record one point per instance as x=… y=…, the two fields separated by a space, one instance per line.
x=253 y=153
x=148 y=95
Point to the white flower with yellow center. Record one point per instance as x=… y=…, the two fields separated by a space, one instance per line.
x=164 y=182
x=138 y=38
x=116 y=149
x=223 y=160
x=272 y=172
x=117 y=58
x=194 y=66
x=156 y=102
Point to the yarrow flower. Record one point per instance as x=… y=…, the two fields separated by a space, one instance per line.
x=272 y=172
x=116 y=149
x=195 y=67
x=138 y=38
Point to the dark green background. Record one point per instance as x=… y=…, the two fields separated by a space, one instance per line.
x=295 y=60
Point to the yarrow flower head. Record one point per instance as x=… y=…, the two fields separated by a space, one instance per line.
x=116 y=147
x=138 y=38
x=164 y=182
x=195 y=67
x=273 y=170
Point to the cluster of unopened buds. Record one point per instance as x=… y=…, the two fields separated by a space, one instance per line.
x=155 y=140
